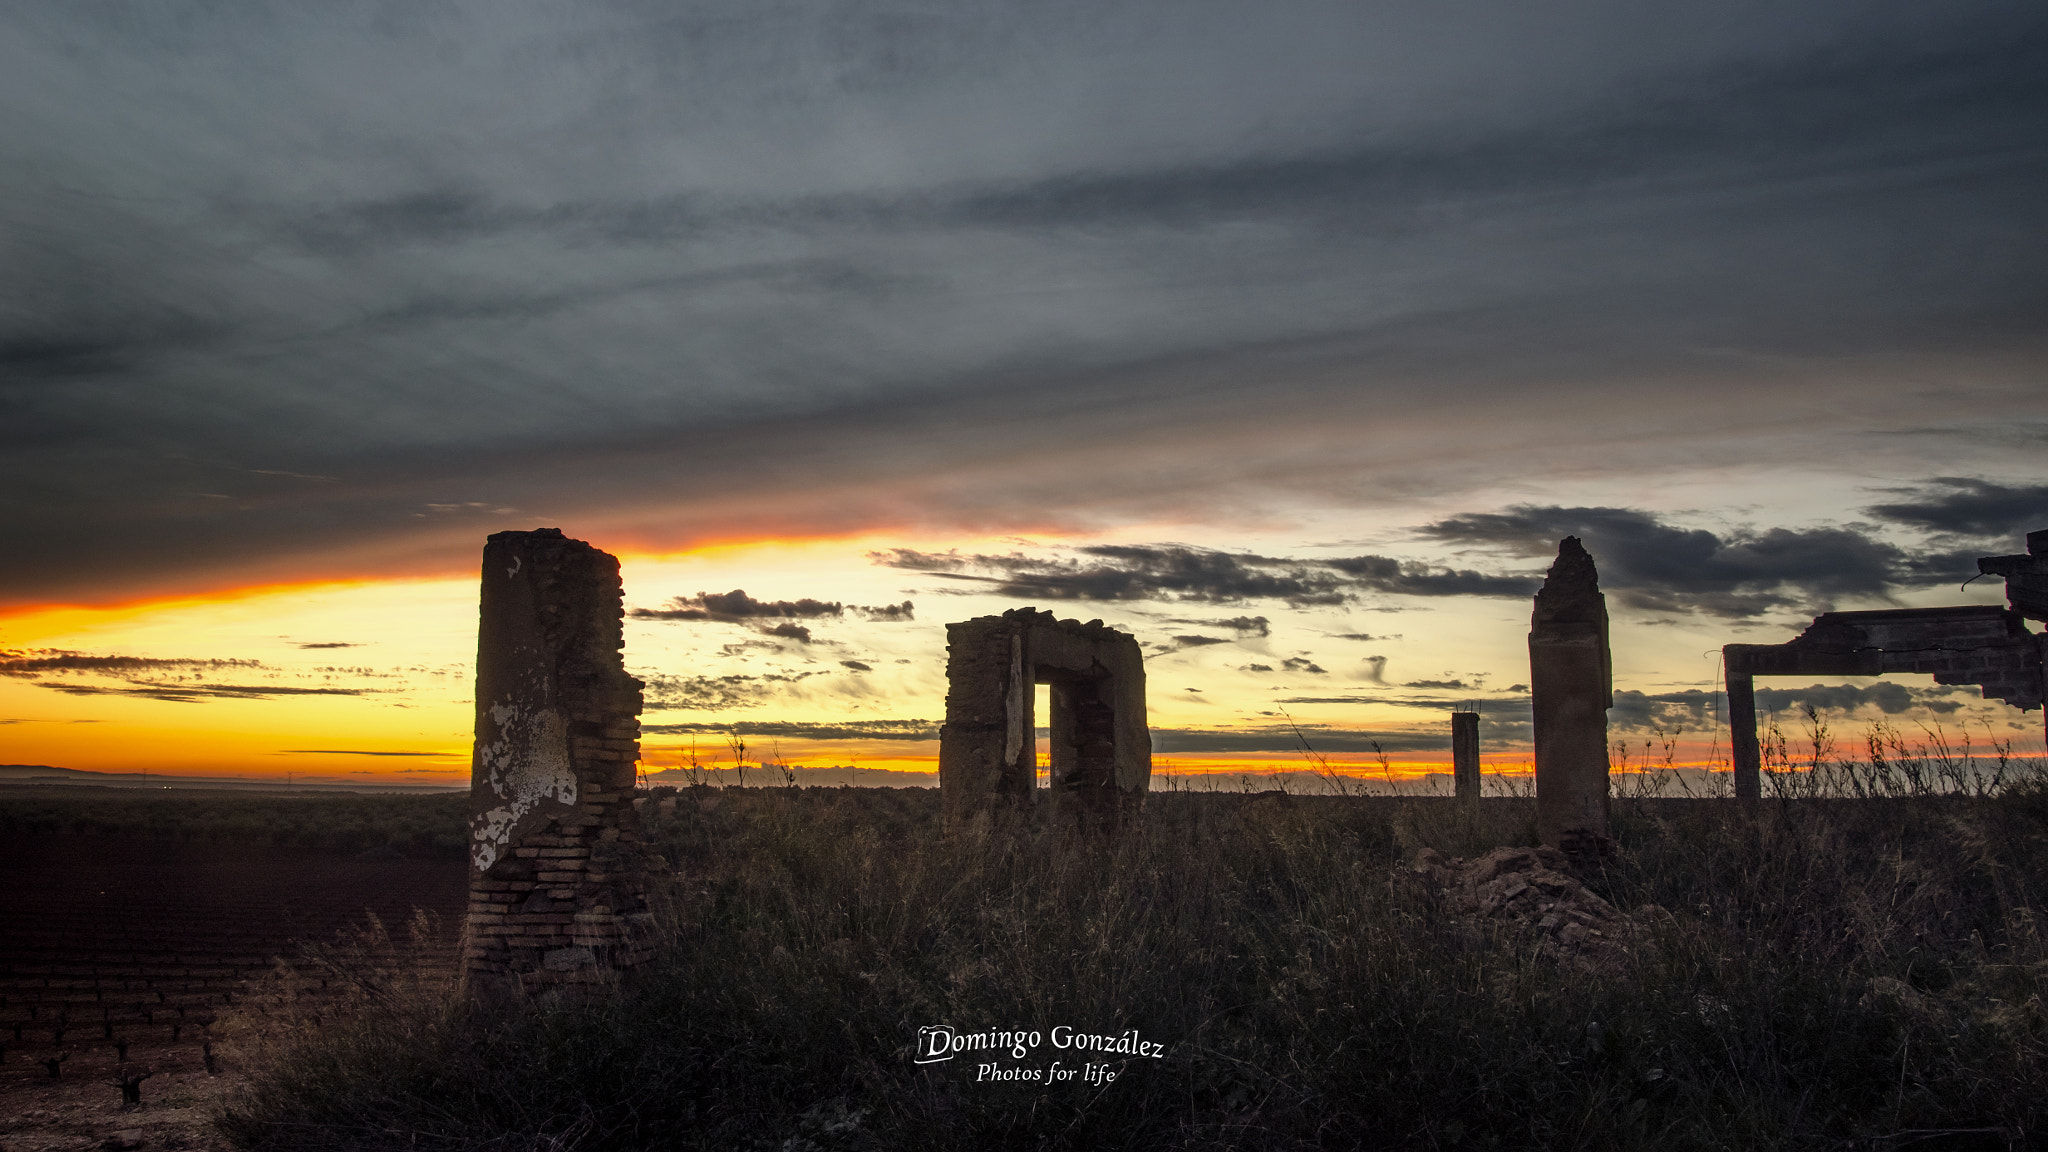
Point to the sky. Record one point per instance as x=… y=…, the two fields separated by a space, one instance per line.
x=1290 y=337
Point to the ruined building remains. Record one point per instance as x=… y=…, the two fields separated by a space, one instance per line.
x=555 y=892
x=1979 y=644
x=1101 y=748
x=1465 y=754
x=1571 y=687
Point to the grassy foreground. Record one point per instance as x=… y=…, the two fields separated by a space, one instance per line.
x=1825 y=973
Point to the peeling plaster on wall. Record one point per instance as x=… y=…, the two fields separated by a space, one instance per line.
x=557 y=889
x=523 y=781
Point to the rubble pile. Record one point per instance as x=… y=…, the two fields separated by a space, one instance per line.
x=1530 y=892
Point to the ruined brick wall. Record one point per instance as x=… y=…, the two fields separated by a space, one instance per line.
x=1978 y=644
x=1101 y=760
x=1571 y=687
x=556 y=894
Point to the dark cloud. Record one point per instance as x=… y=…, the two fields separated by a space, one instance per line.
x=809 y=730
x=172 y=679
x=196 y=693
x=1962 y=506
x=1439 y=684
x=37 y=662
x=1649 y=564
x=709 y=693
x=737 y=605
x=1324 y=255
x=1288 y=738
x=1196 y=641
x=1134 y=572
x=1242 y=625
x=1256 y=668
x=1688 y=709
x=1891 y=699
x=857 y=666
x=1361 y=636
x=329 y=644
x=1184 y=574
x=1414 y=578
x=1302 y=664
x=1695 y=709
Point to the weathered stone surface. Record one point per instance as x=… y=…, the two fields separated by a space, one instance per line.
x=1571 y=687
x=554 y=706
x=1101 y=762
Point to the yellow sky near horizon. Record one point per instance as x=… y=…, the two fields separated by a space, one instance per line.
x=371 y=680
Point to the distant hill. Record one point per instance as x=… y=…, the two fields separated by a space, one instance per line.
x=26 y=771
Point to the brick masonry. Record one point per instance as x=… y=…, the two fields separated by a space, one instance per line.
x=556 y=891
x=1978 y=644
x=1101 y=760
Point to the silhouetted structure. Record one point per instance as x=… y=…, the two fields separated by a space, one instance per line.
x=1465 y=754
x=1101 y=759
x=555 y=886
x=1979 y=644
x=1571 y=687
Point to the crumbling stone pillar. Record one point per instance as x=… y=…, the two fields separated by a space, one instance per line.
x=555 y=891
x=1571 y=687
x=1101 y=747
x=1465 y=754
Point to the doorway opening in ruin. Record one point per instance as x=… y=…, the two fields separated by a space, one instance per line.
x=1850 y=712
x=1082 y=720
x=1041 y=708
x=1093 y=754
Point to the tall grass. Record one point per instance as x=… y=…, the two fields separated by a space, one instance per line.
x=1814 y=973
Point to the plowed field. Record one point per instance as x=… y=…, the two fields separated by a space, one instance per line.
x=107 y=941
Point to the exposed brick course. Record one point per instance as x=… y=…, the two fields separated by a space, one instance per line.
x=556 y=880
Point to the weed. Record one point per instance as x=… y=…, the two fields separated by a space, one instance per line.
x=1825 y=971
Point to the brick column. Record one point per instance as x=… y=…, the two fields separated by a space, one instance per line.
x=1571 y=687
x=556 y=894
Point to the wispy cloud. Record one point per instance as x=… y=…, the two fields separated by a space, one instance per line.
x=356 y=752
x=808 y=729
x=38 y=662
x=1966 y=507
x=196 y=693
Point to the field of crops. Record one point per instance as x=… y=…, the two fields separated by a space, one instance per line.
x=126 y=950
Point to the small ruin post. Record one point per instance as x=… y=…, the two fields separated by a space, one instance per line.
x=1101 y=762
x=555 y=893
x=1465 y=754
x=1571 y=687
x=1743 y=750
